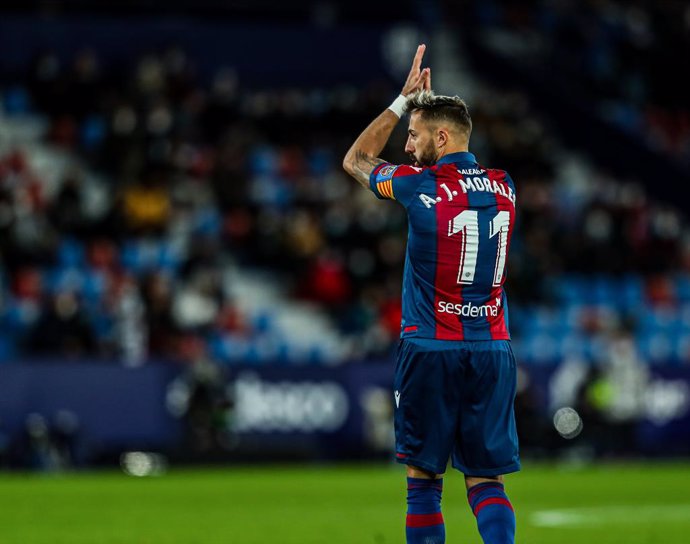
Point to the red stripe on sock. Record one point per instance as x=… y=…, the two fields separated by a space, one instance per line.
x=490 y=501
x=481 y=487
x=424 y=520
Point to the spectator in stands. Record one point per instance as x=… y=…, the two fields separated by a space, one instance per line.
x=211 y=175
x=145 y=205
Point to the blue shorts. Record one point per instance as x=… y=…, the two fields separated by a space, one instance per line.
x=456 y=399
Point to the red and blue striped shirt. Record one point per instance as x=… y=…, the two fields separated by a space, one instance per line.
x=461 y=218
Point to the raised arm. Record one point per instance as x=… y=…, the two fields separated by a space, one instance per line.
x=362 y=157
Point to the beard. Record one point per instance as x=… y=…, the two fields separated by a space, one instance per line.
x=425 y=157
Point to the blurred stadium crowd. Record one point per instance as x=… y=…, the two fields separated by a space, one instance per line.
x=151 y=210
x=623 y=58
x=133 y=199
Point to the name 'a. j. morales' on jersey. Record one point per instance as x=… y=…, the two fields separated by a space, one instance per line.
x=475 y=180
x=460 y=219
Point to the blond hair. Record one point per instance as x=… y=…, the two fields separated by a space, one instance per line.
x=435 y=108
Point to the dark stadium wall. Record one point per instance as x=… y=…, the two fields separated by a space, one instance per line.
x=621 y=154
x=317 y=56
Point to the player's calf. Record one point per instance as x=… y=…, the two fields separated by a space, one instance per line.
x=424 y=518
x=494 y=513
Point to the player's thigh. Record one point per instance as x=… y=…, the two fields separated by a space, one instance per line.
x=486 y=441
x=427 y=399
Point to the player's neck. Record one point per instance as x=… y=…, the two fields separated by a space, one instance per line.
x=450 y=150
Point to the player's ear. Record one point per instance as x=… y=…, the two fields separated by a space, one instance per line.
x=441 y=137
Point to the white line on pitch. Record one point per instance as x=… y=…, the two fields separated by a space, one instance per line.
x=610 y=515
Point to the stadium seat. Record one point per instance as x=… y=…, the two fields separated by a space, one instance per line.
x=682 y=286
x=71 y=253
x=604 y=291
x=16 y=100
x=656 y=347
x=141 y=256
x=8 y=348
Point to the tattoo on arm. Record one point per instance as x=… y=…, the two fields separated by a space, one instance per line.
x=363 y=166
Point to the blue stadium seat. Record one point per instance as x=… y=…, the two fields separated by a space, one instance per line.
x=570 y=289
x=571 y=316
x=660 y=318
x=320 y=161
x=16 y=100
x=141 y=256
x=66 y=278
x=546 y=320
x=230 y=348
x=572 y=345
x=604 y=290
x=656 y=347
x=208 y=223
x=71 y=253
x=169 y=258
x=266 y=347
x=632 y=292
x=595 y=347
x=682 y=286
x=92 y=132
x=8 y=348
x=681 y=348
x=263 y=160
x=216 y=348
x=95 y=284
x=252 y=356
x=20 y=316
x=262 y=321
x=540 y=348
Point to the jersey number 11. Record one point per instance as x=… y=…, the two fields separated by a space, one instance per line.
x=467 y=223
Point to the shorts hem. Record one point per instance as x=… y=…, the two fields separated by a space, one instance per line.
x=421 y=464
x=487 y=472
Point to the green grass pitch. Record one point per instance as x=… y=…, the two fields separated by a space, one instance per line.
x=636 y=503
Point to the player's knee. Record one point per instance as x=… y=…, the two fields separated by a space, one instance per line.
x=471 y=481
x=416 y=472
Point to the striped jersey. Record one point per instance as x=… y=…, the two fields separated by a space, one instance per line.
x=460 y=221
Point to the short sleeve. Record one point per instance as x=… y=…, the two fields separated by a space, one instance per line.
x=395 y=181
x=510 y=182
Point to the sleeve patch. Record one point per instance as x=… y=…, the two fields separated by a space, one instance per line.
x=394 y=181
x=387 y=172
x=385 y=188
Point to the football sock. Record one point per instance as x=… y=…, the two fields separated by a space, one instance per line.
x=494 y=513
x=424 y=519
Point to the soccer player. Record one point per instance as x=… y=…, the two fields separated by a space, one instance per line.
x=455 y=373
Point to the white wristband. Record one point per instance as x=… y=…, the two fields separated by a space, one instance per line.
x=398 y=105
